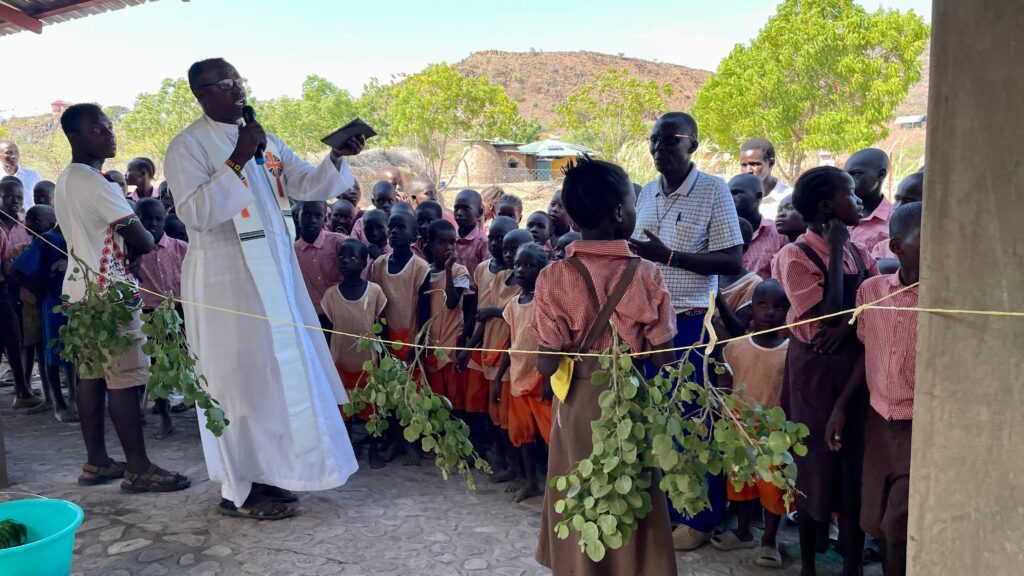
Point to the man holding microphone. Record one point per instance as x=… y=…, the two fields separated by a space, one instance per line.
x=274 y=379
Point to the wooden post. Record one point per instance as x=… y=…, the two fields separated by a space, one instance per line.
x=967 y=474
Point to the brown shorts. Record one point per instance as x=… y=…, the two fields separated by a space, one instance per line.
x=886 y=484
x=130 y=368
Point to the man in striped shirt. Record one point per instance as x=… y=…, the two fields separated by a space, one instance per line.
x=686 y=224
x=890 y=343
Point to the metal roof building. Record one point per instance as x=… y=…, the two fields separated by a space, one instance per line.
x=554 y=149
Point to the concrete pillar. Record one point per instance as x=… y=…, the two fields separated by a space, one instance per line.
x=967 y=479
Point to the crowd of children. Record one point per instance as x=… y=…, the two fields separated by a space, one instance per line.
x=34 y=261
x=453 y=279
x=472 y=278
x=851 y=385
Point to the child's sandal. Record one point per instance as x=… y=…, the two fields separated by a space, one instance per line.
x=728 y=541
x=769 y=557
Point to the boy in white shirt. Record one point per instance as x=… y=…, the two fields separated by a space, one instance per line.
x=103 y=231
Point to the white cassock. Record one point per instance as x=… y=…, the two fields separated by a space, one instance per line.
x=276 y=383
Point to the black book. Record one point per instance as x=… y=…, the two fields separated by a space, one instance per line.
x=338 y=138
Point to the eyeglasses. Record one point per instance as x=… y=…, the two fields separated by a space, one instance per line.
x=669 y=139
x=228 y=83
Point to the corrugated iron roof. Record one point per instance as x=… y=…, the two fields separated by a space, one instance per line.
x=493 y=141
x=54 y=11
x=911 y=119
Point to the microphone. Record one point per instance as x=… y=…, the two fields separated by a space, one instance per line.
x=249 y=115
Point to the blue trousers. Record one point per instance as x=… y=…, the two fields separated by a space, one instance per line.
x=688 y=330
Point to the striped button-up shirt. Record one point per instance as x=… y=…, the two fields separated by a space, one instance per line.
x=890 y=344
x=805 y=284
x=470 y=251
x=873 y=228
x=16 y=238
x=698 y=217
x=882 y=251
x=765 y=244
x=160 y=271
x=563 y=312
x=319 y=264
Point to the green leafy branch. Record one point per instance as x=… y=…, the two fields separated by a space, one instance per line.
x=394 y=388
x=94 y=334
x=673 y=428
x=174 y=365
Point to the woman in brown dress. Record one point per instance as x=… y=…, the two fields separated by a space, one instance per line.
x=632 y=295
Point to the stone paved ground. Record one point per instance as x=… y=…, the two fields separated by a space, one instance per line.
x=395 y=521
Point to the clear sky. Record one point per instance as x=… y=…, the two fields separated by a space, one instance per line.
x=276 y=43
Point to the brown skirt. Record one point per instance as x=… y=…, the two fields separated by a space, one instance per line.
x=826 y=480
x=649 y=552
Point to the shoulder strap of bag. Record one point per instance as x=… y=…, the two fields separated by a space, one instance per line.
x=861 y=268
x=575 y=263
x=813 y=257
x=604 y=316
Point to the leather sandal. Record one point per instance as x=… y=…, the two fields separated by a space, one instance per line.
x=154 y=479
x=96 y=475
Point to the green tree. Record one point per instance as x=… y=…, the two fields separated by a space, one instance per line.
x=43 y=146
x=434 y=108
x=157 y=118
x=612 y=109
x=115 y=112
x=302 y=122
x=821 y=75
x=525 y=130
x=372 y=106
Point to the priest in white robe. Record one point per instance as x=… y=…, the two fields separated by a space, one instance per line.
x=275 y=381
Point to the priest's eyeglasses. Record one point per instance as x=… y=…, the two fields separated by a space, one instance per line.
x=228 y=83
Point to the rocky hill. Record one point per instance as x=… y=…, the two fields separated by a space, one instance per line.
x=539 y=81
x=916 y=101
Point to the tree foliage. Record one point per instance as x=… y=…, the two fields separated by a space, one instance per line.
x=428 y=111
x=434 y=108
x=43 y=146
x=302 y=122
x=157 y=118
x=612 y=110
x=821 y=75
x=372 y=106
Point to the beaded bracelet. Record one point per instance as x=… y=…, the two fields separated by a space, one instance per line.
x=235 y=166
x=671 y=256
